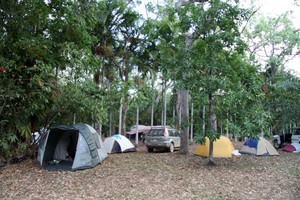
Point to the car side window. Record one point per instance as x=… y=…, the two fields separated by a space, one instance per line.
x=297 y=132
x=177 y=134
x=171 y=133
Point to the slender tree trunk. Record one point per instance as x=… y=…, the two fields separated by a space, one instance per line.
x=165 y=105
x=192 y=122
x=203 y=119
x=153 y=102
x=178 y=110
x=120 y=116
x=227 y=129
x=162 y=111
x=221 y=123
x=180 y=117
x=231 y=135
x=125 y=102
x=174 y=115
x=74 y=118
x=125 y=111
x=185 y=117
x=100 y=129
x=137 y=111
x=152 y=109
x=137 y=126
x=111 y=124
x=213 y=124
x=235 y=135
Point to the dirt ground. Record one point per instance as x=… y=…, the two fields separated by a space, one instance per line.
x=159 y=175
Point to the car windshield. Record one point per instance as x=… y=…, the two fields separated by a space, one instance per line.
x=156 y=132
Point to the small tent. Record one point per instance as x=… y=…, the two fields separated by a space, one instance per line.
x=260 y=147
x=74 y=147
x=289 y=148
x=223 y=147
x=293 y=147
x=118 y=144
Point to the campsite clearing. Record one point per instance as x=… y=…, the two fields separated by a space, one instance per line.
x=159 y=175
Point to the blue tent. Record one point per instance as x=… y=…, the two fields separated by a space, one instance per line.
x=260 y=147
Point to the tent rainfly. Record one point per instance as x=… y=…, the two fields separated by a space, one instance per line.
x=223 y=147
x=73 y=147
x=260 y=147
x=118 y=144
x=293 y=147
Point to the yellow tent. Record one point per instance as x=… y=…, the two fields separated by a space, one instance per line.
x=223 y=147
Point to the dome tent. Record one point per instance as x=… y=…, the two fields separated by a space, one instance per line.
x=289 y=148
x=293 y=147
x=260 y=147
x=223 y=147
x=118 y=144
x=74 y=147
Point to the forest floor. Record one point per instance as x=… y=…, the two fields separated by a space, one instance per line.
x=159 y=175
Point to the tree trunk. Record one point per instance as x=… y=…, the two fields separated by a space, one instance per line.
x=227 y=129
x=74 y=118
x=137 y=126
x=185 y=118
x=213 y=124
x=100 y=129
x=152 y=109
x=153 y=101
x=203 y=119
x=192 y=121
x=174 y=115
x=120 y=116
x=178 y=110
x=165 y=106
x=221 y=123
x=111 y=124
x=165 y=109
x=162 y=117
x=125 y=111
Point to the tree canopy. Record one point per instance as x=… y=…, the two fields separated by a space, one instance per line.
x=99 y=62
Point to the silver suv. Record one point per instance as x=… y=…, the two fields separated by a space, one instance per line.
x=162 y=137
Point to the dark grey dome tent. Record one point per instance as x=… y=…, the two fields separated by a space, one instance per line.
x=71 y=147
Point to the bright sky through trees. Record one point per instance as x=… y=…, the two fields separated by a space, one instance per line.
x=267 y=8
x=275 y=8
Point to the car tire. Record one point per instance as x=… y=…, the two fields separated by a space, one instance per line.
x=150 y=150
x=171 y=148
x=276 y=144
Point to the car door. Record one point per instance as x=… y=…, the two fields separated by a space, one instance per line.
x=176 y=138
x=296 y=136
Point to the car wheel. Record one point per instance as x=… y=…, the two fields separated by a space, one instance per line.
x=276 y=144
x=150 y=150
x=171 y=148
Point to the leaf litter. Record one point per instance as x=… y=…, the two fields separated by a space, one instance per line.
x=159 y=175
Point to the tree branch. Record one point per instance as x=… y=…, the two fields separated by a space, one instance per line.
x=247 y=21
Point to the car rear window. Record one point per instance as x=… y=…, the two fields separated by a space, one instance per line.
x=157 y=132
